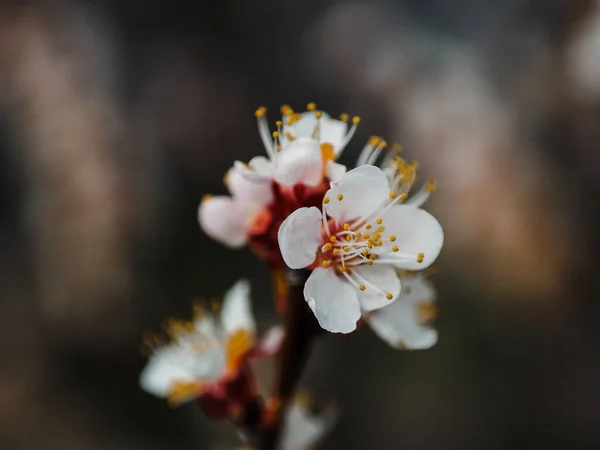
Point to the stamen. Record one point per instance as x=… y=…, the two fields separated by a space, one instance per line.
x=379 y=221
x=340 y=197
x=311 y=106
x=344 y=117
x=395 y=248
x=327 y=247
x=326 y=200
x=325 y=264
x=346 y=226
x=392 y=238
x=420 y=258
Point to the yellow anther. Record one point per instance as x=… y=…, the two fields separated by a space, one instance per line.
x=340 y=197
x=369 y=263
x=389 y=296
x=206 y=197
x=344 y=117
x=395 y=248
x=420 y=257
x=383 y=143
x=278 y=123
x=343 y=269
x=318 y=114
x=365 y=252
x=381 y=229
x=362 y=287
x=376 y=236
x=346 y=226
x=378 y=243
x=379 y=221
x=404 y=196
x=392 y=238
x=348 y=237
x=288 y=135
x=368 y=227
x=366 y=236
x=373 y=257
x=278 y=148
x=275 y=134
x=333 y=239
x=328 y=246
x=336 y=251
x=286 y=110
x=260 y=112
x=356 y=120
x=392 y=195
x=325 y=264
x=374 y=141
x=326 y=200
x=370 y=243
x=311 y=106
x=346 y=248
x=431 y=184
x=358 y=234
x=396 y=148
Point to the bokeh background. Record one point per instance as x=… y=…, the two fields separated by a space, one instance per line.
x=116 y=117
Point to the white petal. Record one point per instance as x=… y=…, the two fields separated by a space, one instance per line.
x=333 y=300
x=300 y=237
x=225 y=220
x=236 y=313
x=383 y=277
x=398 y=324
x=261 y=165
x=416 y=232
x=302 y=128
x=335 y=171
x=300 y=161
x=301 y=429
x=333 y=131
x=362 y=189
x=270 y=342
x=161 y=372
x=255 y=192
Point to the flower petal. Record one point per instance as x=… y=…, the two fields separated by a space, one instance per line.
x=362 y=191
x=302 y=429
x=333 y=131
x=383 y=277
x=255 y=192
x=333 y=300
x=416 y=232
x=300 y=237
x=225 y=220
x=300 y=161
x=236 y=313
x=262 y=166
x=334 y=171
x=270 y=343
x=398 y=324
x=162 y=370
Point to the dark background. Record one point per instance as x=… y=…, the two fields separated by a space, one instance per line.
x=116 y=117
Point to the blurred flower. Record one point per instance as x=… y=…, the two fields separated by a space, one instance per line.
x=206 y=357
x=404 y=323
x=358 y=241
x=302 y=429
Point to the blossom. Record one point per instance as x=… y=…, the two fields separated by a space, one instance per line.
x=206 y=357
x=404 y=323
x=355 y=244
x=303 y=429
x=301 y=153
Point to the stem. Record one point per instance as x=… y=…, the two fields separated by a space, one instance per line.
x=301 y=328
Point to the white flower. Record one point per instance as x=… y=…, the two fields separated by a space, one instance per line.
x=202 y=351
x=303 y=429
x=303 y=148
x=404 y=323
x=302 y=151
x=359 y=240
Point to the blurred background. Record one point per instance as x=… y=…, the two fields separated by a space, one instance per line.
x=116 y=117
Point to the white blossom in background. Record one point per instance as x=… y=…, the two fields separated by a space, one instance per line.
x=356 y=244
x=302 y=429
x=405 y=323
x=205 y=350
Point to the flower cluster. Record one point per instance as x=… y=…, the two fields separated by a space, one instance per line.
x=358 y=241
